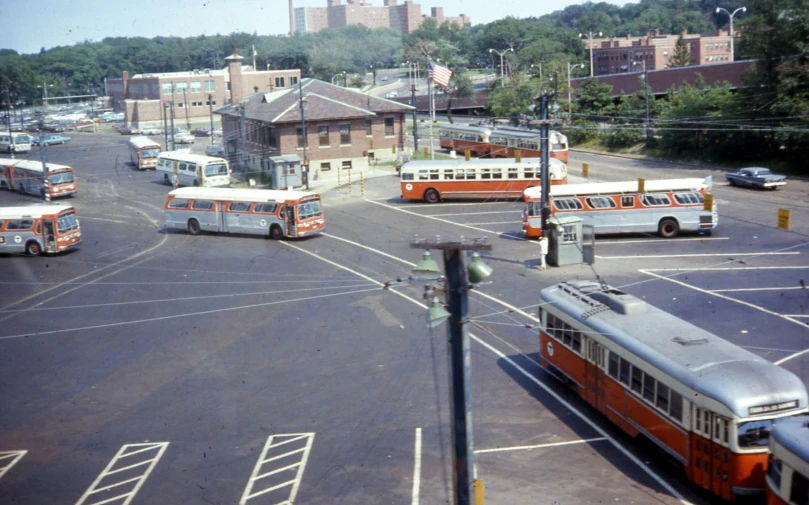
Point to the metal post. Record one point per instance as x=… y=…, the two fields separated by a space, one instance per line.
x=43 y=154
x=303 y=130
x=430 y=100
x=165 y=126
x=10 y=134
x=648 y=118
x=349 y=182
x=544 y=131
x=415 y=121
x=173 y=144
x=185 y=106
x=210 y=112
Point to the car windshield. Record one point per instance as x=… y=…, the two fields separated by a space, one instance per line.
x=216 y=169
x=149 y=153
x=67 y=223
x=61 y=178
x=755 y=433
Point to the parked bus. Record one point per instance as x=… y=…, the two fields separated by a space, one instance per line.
x=667 y=207
x=193 y=169
x=501 y=142
x=788 y=465
x=26 y=176
x=272 y=213
x=478 y=178
x=143 y=152
x=705 y=401
x=38 y=229
x=15 y=142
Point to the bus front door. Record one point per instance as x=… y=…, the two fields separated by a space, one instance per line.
x=48 y=236
x=221 y=217
x=290 y=217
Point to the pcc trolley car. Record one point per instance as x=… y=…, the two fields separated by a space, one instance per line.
x=707 y=402
x=788 y=467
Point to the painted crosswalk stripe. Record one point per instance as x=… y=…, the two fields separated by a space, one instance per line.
x=279 y=469
x=9 y=459
x=124 y=475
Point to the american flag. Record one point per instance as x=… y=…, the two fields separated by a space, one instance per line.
x=440 y=75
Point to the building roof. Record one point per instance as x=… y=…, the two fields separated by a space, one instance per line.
x=324 y=101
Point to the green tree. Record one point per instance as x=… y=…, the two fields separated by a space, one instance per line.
x=459 y=87
x=513 y=100
x=681 y=56
x=595 y=98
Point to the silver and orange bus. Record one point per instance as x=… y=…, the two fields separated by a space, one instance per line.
x=26 y=176
x=143 y=152
x=38 y=229
x=705 y=401
x=273 y=213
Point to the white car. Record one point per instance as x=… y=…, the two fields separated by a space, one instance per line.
x=151 y=131
x=184 y=138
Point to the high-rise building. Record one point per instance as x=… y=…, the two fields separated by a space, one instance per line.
x=404 y=18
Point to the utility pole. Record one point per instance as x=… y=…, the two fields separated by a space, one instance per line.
x=43 y=155
x=165 y=126
x=185 y=106
x=590 y=36
x=544 y=134
x=210 y=112
x=646 y=124
x=459 y=358
x=303 y=131
x=173 y=145
x=10 y=135
x=412 y=68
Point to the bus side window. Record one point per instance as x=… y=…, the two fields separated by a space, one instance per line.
x=407 y=176
x=627 y=201
x=177 y=203
x=265 y=208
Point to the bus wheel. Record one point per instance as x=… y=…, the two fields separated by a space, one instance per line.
x=276 y=233
x=3 y=185
x=196 y=183
x=193 y=227
x=42 y=193
x=32 y=248
x=166 y=179
x=668 y=228
x=22 y=188
x=431 y=196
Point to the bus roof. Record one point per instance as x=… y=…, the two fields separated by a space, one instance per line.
x=696 y=358
x=194 y=158
x=141 y=141
x=793 y=434
x=475 y=163
x=611 y=188
x=33 y=211
x=32 y=165
x=241 y=194
x=465 y=128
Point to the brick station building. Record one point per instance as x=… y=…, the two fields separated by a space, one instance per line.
x=143 y=98
x=344 y=127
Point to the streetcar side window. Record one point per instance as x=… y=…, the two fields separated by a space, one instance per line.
x=799 y=493
x=662 y=397
x=637 y=379
x=676 y=406
x=624 y=372
x=613 y=365
x=648 y=387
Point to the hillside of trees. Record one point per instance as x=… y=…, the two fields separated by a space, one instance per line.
x=766 y=121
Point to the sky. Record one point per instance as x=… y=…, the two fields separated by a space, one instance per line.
x=28 y=25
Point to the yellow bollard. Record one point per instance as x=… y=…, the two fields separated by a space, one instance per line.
x=426 y=152
x=518 y=155
x=467 y=155
x=708 y=202
x=585 y=170
x=393 y=148
x=362 y=184
x=784 y=219
x=477 y=491
x=641 y=185
x=349 y=182
x=338 y=178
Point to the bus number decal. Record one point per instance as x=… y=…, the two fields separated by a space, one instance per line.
x=409 y=187
x=550 y=348
x=2 y=240
x=263 y=222
x=17 y=239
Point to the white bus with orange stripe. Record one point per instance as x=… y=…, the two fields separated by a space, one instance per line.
x=788 y=464
x=38 y=229
x=143 y=152
x=434 y=180
x=665 y=206
x=707 y=402
x=272 y=213
x=26 y=176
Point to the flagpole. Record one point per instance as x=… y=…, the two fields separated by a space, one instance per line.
x=432 y=108
x=254 y=58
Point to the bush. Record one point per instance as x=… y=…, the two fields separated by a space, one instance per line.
x=621 y=136
x=581 y=131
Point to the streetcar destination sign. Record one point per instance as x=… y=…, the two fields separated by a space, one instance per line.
x=773 y=407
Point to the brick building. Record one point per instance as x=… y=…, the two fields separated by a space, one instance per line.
x=143 y=98
x=404 y=18
x=618 y=55
x=344 y=127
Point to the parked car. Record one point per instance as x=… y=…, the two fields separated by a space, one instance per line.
x=215 y=150
x=127 y=131
x=217 y=133
x=52 y=128
x=151 y=131
x=756 y=177
x=50 y=140
x=184 y=138
x=201 y=132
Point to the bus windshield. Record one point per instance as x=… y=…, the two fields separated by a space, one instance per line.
x=755 y=433
x=149 y=153
x=61 y=178
x=22 y=139
x=216 y=169
x=309 y=209
x=67 y=223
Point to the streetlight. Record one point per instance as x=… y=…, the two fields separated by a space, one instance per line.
x=646 y=93
x=336 y=76
x=590 y=36
x=569 y=98
x=730 y=15
x=44 y=88
x=538 y=65
x=501 y=54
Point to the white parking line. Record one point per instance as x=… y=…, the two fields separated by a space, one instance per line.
x=797 y=315
x=9 y=459
x=495 y=222
x=432 y=217
x=433 y=205
x=103 y=219
x=716 y=269
x=414 y=500
x=754 y=289
x=282 y=454
x=698 y=255
x=127 y=485
x=482 y=213
x=659 y=240
x=541 y=446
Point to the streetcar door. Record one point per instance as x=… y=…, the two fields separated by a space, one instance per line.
x=290 y=216
x=48 y=236
x=720 y=457
x=594 y=375
x=702 y=450
x=221 y=217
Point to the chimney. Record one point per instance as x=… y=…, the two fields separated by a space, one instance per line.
x=125 y=83
x=657 y=32
x=291 y=19
x=234 y=65
x=628 y=36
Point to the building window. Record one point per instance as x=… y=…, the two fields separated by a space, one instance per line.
x=389 y=127
x=293 y=80
x=210 y=102
x=210 y=86
x=196 y=87
x=368 y=131
x=325 y=166
x=300 y=137
x=279 y=82
x=180 y=87
x=272 y=142
x=345 y=134
x=180 y=105
x=167 y=88
x=323 y=135
x=346 y=165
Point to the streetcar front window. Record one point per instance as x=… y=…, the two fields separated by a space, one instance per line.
x=62 y=178
x=67 y=223
x=754 y=434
